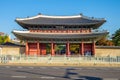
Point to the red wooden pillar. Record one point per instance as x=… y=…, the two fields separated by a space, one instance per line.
x=43 y=49
x=93 y=48
x=27 y=49
x=52 y=49
x=82 y=49
x=68 y=49
x=38 y=49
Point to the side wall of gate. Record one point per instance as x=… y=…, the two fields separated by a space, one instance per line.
x=107 y=51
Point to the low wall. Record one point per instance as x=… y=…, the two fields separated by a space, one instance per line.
x=107 y=51
x=99 y=51
x=8 y=50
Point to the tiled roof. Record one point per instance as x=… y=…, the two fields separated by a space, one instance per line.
x=29 y=35
x=1 y=33
x=58 y=20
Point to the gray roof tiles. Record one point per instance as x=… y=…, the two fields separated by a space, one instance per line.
x=43 y=20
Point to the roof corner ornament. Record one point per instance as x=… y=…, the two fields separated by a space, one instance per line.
x=92 y=17
x=39 y=13
x=81 y=14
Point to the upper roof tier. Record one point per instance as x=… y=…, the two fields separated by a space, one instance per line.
x=44 y=20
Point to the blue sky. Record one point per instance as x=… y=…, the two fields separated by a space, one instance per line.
x=11 y=9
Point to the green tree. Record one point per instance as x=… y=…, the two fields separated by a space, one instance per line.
x=4 y=39
x=1 y=39
x=116 y=38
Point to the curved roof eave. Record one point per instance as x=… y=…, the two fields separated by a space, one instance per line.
x=23 y=24
x=58 y=20
x=59 y=17
x=26 y=34
x=45 y=16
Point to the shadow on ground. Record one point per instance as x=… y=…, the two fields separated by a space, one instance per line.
x=70 y=72
x=68 y=75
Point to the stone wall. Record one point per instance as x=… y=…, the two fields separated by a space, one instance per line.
x=9 y=50
x=99 y=51
x=107 y=51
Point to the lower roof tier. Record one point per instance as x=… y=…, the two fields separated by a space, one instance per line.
x=39 y=36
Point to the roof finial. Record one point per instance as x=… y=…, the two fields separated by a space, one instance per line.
x=39 y=13
x=92 y=17
x=81 y=14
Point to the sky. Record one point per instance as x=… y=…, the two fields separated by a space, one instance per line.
x=12 y=9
